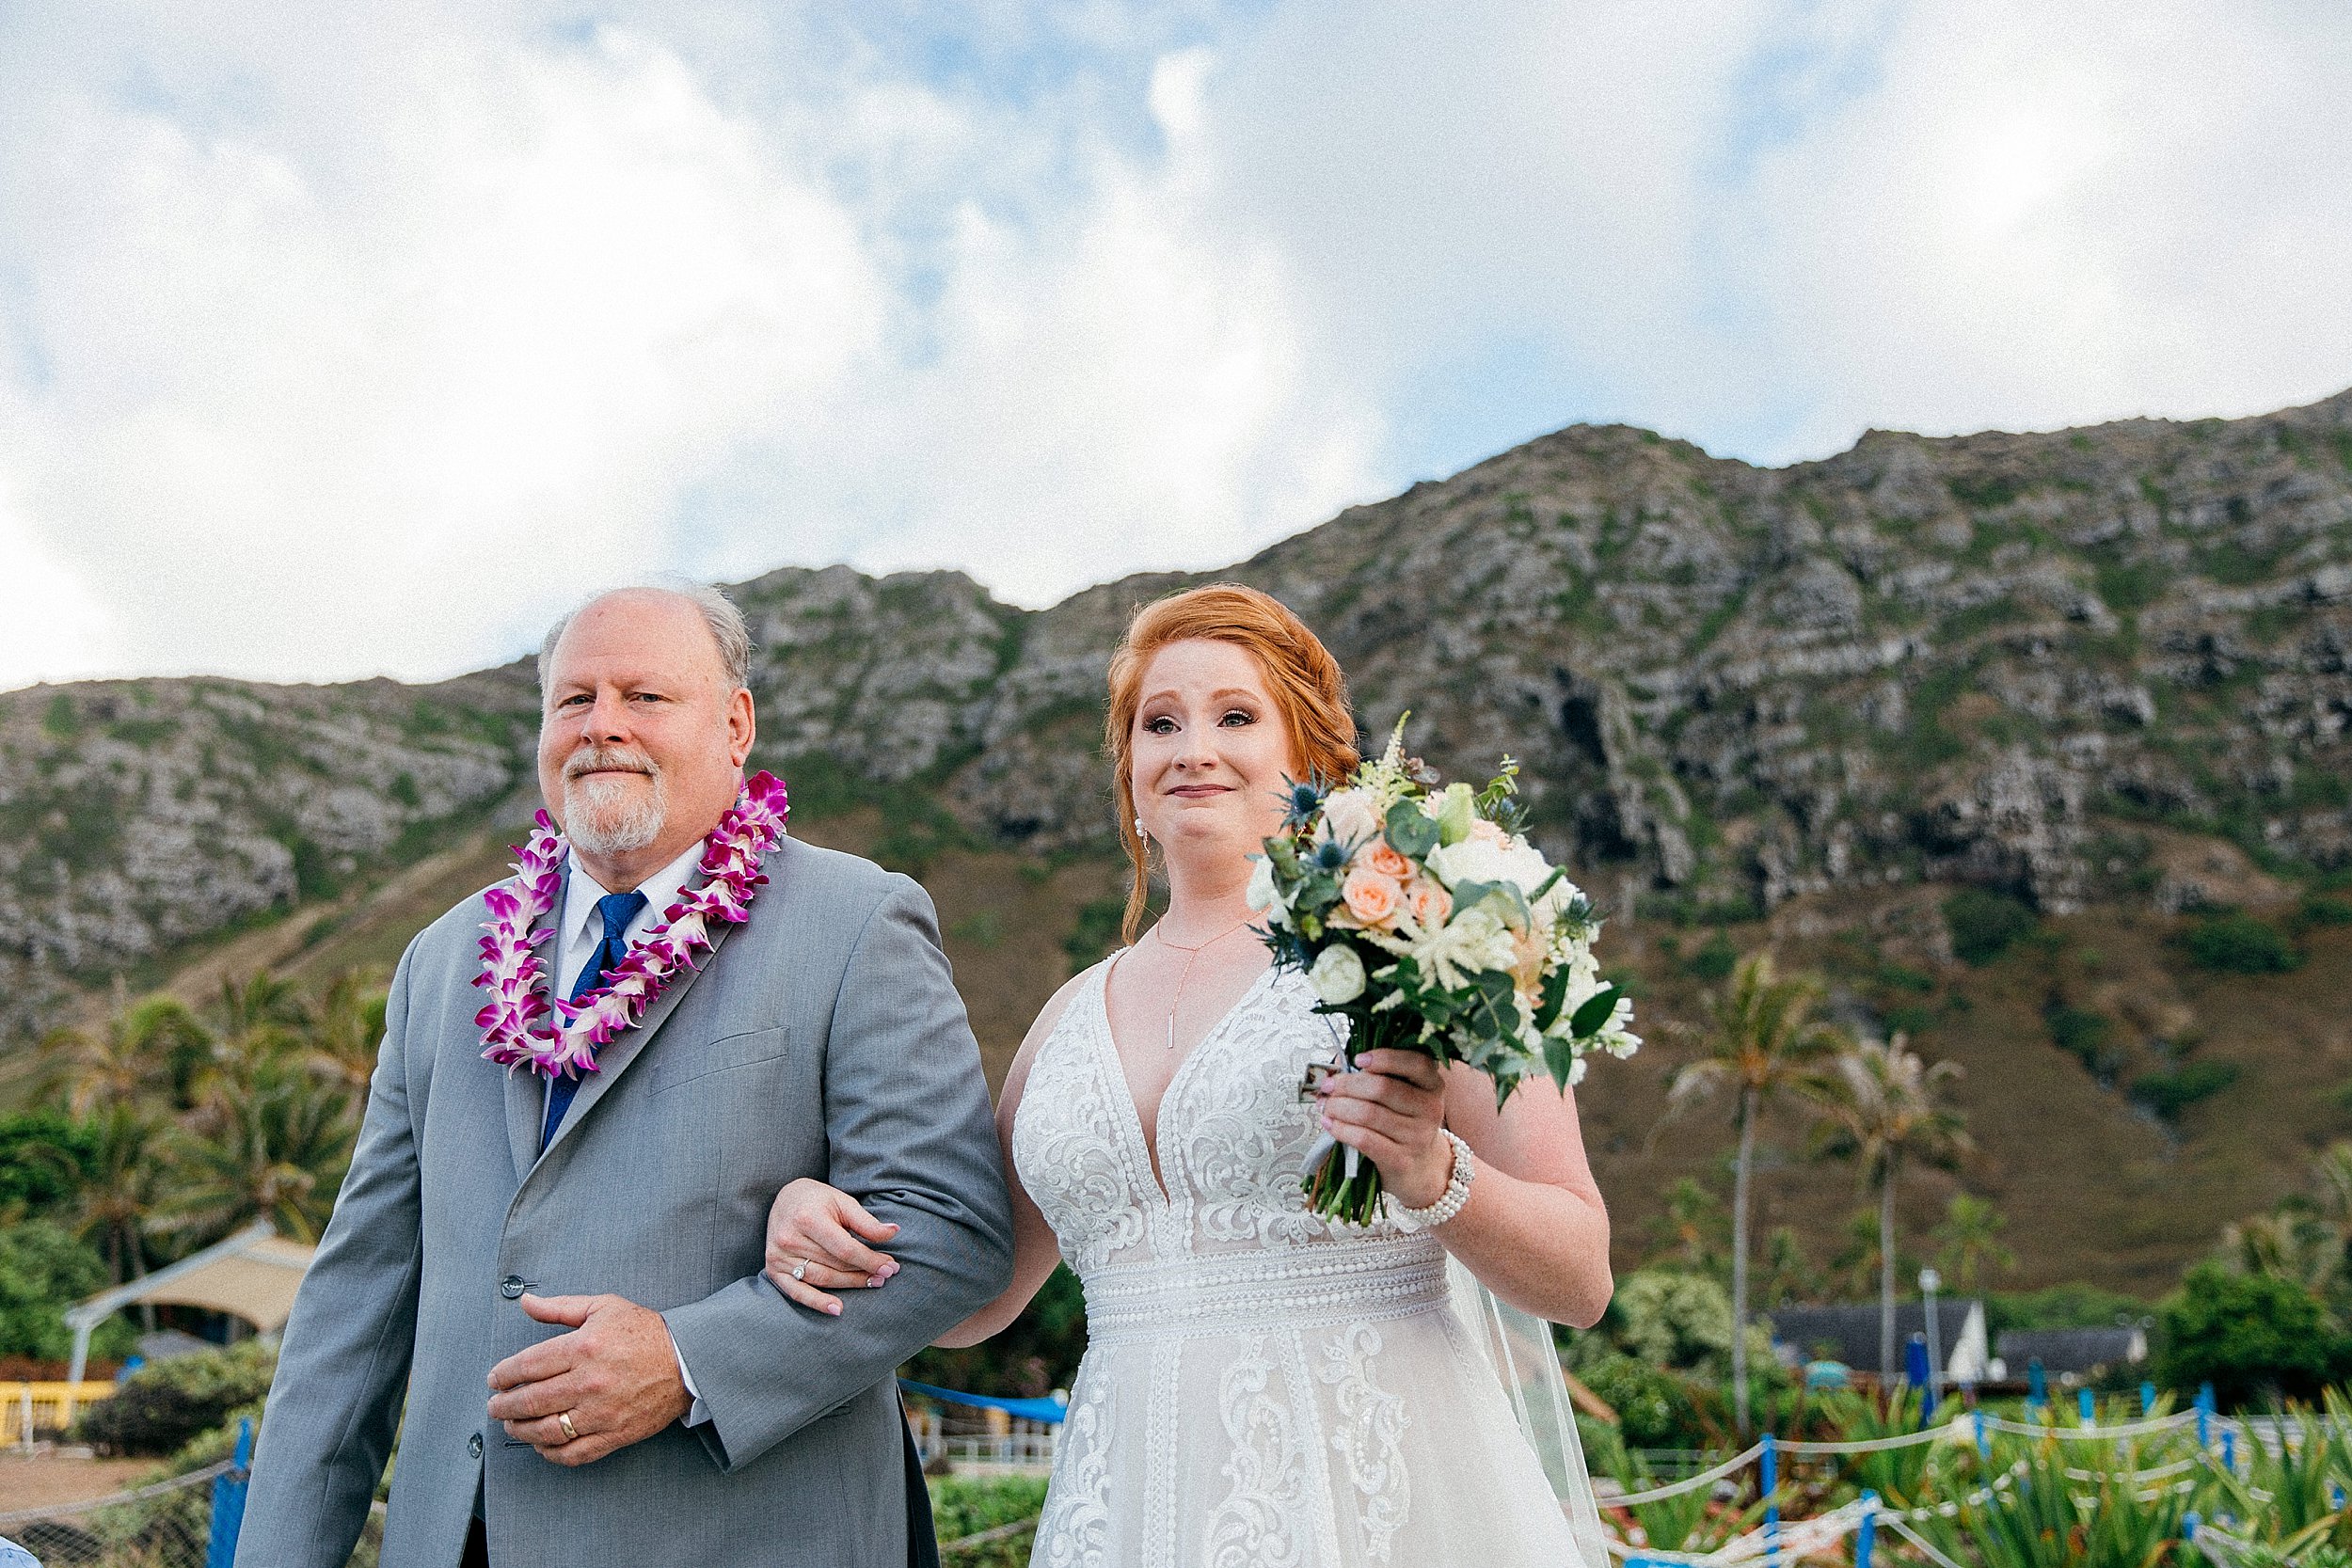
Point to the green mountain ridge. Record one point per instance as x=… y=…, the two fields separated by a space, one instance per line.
x=2103 y=672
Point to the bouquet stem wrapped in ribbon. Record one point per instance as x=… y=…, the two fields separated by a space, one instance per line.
x=1422 y=915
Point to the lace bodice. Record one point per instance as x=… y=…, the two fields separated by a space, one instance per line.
x=1232 y=1132
x=1260 y=1389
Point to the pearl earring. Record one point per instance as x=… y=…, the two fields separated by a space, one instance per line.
x=1139 y=833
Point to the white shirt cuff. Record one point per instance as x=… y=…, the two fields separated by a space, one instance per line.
x=698 y=1412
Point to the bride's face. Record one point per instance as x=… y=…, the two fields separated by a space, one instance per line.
x=1210 y=751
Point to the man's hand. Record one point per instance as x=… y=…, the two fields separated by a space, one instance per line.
x=615 y=1375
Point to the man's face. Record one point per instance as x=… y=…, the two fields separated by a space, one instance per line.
x=642 y=737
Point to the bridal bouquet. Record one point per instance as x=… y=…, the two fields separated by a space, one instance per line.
x=1422 y=916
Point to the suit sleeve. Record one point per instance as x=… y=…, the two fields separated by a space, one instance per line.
x=334 y=1405
x=911 y=1137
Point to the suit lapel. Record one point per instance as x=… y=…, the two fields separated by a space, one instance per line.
x=617 y=1054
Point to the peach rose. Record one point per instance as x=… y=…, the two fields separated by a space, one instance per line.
x=1429 y=902
x=1387 y=861
x=1370 y=898
x=1484 y=831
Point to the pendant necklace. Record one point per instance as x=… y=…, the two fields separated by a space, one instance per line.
x=1190 y=954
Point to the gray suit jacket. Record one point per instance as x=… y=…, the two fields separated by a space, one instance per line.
x=822 y=1037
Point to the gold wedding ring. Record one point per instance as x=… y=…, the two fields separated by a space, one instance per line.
x=564 y=1419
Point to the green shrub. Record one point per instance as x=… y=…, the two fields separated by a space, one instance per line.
x=44 y=1271
x=1715 y=959
x=44 y=1160
x=2241 y=945
x=2081 y=1033
x=964 y=1505
x=1986 y=924
x=1653 y=1405
x=2168 y=1094
x=2324 y=910
x=2076 y=1305
x=2257 y=1339
x=163 y=1406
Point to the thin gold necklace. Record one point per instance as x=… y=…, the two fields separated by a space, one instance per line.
x=1190 y=955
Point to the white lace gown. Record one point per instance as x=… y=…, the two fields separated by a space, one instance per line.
x=1260 y=1390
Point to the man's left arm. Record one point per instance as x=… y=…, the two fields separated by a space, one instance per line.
x=911 y=1137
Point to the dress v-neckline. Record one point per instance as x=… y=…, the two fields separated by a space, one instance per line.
x=1116 y=1065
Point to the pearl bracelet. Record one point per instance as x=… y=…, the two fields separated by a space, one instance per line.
x=1457 y=1186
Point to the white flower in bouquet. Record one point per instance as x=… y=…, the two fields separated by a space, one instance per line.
x=1264 y=896
x=1337 y=974
x=1350 y=816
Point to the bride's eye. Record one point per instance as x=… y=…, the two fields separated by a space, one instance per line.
x=1159 y=724
x=1239 y=717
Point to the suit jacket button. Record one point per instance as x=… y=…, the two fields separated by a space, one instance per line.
x=514 y=1285
x=473 y=1443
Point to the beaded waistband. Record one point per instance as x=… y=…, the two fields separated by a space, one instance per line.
x=1346 y=1282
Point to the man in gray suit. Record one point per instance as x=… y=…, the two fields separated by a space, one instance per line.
x=563 y=1280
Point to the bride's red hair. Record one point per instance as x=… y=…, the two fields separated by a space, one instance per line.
x=1301 y=675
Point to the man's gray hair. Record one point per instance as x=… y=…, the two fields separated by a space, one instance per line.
x=727 y=630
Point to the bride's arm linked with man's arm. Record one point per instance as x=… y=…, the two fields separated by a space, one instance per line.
x=837 y=1246
x=1534 y=1229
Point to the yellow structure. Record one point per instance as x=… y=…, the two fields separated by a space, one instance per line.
x=44 y=1406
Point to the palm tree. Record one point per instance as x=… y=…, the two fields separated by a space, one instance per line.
x=1764 y=1040
x=137 y=1055
x=345 y=1027
x=262 y=1025
x=277 y=1150
x=1880 y=1107
x=118 y=1203
x=1971 y=1234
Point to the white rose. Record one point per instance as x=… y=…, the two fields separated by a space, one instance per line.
x=1474 y=859
x=1261 y=894
x=1337 y=974
x=1349 y=816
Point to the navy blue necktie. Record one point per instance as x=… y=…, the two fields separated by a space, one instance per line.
x=618 y=909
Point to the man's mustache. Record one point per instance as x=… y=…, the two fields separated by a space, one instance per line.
x=594 y=760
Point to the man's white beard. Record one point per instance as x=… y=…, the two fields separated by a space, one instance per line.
x=611 y=816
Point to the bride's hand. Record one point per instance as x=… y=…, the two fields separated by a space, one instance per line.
x=819 y=1227
x=1392 y=1109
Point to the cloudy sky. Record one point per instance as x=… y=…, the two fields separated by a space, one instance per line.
x=341 y=338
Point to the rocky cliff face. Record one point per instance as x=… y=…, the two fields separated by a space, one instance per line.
x=2024 y=661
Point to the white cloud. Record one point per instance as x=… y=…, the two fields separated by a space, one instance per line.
x=343 y=339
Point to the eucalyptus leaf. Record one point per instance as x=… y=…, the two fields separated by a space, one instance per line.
x=1410 y=831
x=1595 y=1014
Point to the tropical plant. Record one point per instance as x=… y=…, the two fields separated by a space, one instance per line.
x=144 y=1050
x=1971 y=1240
x=1881 y=1108
x=345 y=1029
x=1763 y=1040
x=117 y=1202
x=276 y=1151
x=2255 y=1338
x=1694 y=1225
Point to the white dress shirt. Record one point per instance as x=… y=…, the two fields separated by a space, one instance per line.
x=579 y=932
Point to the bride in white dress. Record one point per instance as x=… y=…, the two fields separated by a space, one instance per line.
x=1259 y=1388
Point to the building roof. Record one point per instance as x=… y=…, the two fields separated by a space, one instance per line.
x=253 y=1276
x=2070 y=1350
x=1851 y=1334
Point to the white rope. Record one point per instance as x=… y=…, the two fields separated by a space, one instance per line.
x=2091 y=1434
x=1691 y=1483
x=1801 y=1538
x=1896 y=1523
x=1866 y=1445
x=2137 y=1477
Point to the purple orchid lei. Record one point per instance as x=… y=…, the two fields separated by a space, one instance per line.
x=514 y=1021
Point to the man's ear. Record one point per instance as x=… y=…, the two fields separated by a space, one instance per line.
x=742 y=724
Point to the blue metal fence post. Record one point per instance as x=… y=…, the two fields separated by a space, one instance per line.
x=2088 y=1404
x=2204 y=1415
x=2190 y=1523
x=1866 y=1538
x=1771 y=1503
x=229 y=1501
x=2037 y=1383
x=2147 y=1398
x=1985 y=1442
x=2229 y=1451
